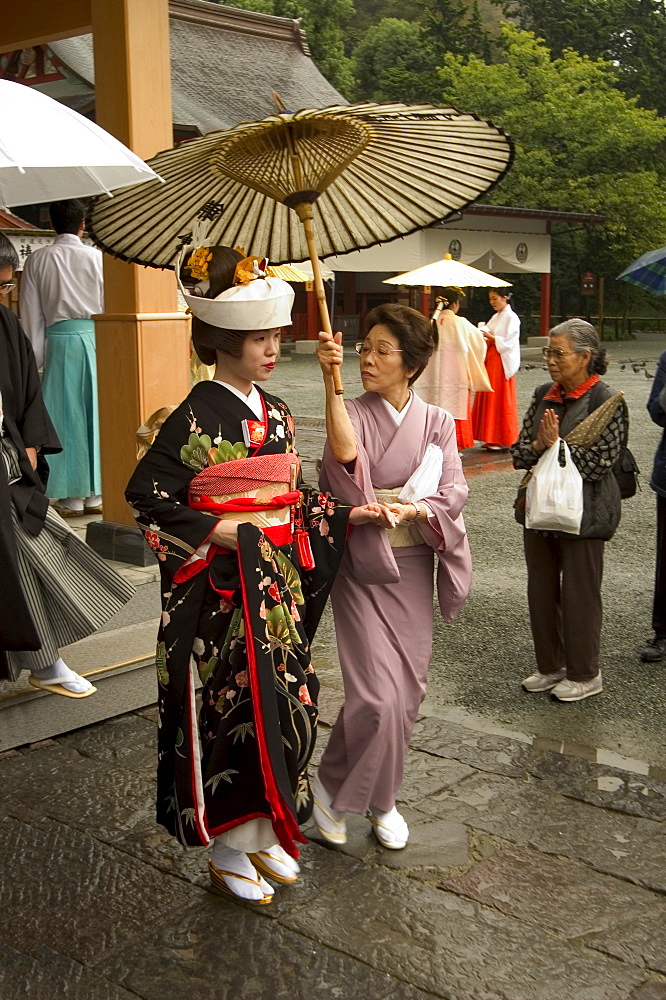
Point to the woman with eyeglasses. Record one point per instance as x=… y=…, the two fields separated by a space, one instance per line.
x=564 y=571
x=495 y=414
x=383 y=596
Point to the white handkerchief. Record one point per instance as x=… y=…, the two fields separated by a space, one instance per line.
x=424 y=480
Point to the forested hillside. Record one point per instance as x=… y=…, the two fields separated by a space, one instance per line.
x=579 y=84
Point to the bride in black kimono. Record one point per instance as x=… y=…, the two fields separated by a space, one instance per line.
x=248 y=555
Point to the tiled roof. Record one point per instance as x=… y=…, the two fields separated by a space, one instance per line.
x=10 y=221
x=552 y=215
x=224 y=64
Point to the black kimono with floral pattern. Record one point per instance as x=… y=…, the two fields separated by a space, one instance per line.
x=243 y=626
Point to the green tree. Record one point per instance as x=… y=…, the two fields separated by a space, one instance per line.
x=325 y=23
x=477 y=38
x=395 y=61
x=258 y=6
x=581 y=145
x=289 y=8
x=629 y=33
x=456 y=26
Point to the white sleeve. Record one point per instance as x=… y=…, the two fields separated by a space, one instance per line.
x=507 y=332
x=100 y=270
x=32 y=317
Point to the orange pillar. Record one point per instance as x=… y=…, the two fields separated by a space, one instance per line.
x=425 y=300
x=142 y=341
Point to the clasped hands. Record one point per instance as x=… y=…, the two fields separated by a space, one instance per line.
x=549 y=431
x=225 y=533
x=384 y=515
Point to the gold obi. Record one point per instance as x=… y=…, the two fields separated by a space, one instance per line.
x=404 y=534
x=262 y=518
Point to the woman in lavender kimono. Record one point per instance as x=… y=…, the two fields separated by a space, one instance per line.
x=247 y=554
x=383 y=597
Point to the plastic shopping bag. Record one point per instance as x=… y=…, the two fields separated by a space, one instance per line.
x=554 y=498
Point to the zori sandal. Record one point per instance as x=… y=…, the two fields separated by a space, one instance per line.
x=218 y=876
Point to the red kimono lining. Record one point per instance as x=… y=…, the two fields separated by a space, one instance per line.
x=283 y=820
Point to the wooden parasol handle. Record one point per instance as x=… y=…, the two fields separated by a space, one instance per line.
x=305 y=215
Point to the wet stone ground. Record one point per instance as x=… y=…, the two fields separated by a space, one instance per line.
x=531 y=873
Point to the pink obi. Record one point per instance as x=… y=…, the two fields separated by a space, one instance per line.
x=244 y=477
x=257 y=490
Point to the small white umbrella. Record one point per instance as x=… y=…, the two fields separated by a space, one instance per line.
x=446 y=273
x=49 y=152
x=305 y=267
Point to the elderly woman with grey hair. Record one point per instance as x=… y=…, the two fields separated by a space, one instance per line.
x=564 y=570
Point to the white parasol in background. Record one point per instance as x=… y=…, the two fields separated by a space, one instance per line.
x=49 y=152
x=447 y=273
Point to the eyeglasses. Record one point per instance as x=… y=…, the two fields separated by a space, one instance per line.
x=555 y=352
x=7 y=286
x=364 y=350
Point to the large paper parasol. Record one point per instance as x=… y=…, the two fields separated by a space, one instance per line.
x=448 y=272
x=648 y=272
x=49 y=152
x=362 y=174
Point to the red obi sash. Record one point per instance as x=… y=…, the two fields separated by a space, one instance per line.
x=241 y=476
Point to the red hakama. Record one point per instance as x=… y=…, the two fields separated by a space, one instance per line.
x=464 y=433
x=495 y=414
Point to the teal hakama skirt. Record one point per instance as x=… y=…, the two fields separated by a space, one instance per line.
x=70 y=395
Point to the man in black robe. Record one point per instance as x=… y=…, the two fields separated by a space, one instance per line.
x=25 y=421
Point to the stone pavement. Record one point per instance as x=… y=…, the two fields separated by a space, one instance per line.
x=530 y=875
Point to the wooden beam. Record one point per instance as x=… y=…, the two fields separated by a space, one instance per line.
x=31 y=22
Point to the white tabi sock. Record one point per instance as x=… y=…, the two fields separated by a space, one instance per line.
x=59 y=673
x=277 y=859
x=329 y=821
x=229 y=860
x=390 y=827
x=71 y=503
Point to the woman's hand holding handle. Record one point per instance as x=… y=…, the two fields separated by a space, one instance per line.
x=329 y=352
x=339 y=430
x=330 y=357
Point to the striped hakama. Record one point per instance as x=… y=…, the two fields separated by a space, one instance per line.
x=71 y=591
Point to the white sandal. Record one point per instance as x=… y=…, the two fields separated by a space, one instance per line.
x=331 y=824
x=390 y=829
x=219 y=877
x=276 y=864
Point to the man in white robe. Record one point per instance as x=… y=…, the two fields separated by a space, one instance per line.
x=61 y=288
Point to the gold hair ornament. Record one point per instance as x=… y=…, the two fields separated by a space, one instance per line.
x=250 y=269
x=198 y=263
